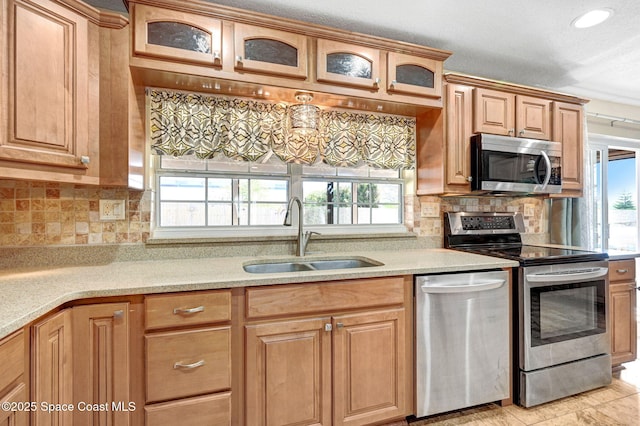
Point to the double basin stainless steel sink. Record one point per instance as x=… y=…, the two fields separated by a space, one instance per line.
x=309 y=265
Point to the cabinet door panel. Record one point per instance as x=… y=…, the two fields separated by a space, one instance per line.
x=180 y=36
x=370 y=367
x=52 y=369
x=493 y=112
x=568 y=130
x=15 y=418
x=623 y=324
x=267 y=51
x=413 y=75
x=459 y=130
x=288 y=373
x=204 y=410
x=533 y=118
x=348 y=64
x=48 y=86
x=101 y=361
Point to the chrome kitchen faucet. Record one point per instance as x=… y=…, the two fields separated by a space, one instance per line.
x=303 y=237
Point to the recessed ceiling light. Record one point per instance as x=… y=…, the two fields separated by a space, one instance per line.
x=592 y=18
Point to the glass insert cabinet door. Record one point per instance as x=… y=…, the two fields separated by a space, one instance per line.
x=414 y=75
x=266 y=51
x=348 y=64
x=184 y=37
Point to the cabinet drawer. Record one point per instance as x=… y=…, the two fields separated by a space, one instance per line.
x=174 y=310
x=318 y=297
x=622 y=270
x=187 y=363
x=204 y=410
x=17 y=394
x=12 y=359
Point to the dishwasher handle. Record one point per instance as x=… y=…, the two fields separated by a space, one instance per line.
x=558 y=277
x=462 y=287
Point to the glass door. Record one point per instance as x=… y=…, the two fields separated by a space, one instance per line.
x=615 y=189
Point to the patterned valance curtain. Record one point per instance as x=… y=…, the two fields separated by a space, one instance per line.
x=208 y=126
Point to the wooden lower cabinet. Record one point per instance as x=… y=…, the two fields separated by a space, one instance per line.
x=622 y=311
x=288 y=372
x=203 y=410
x=351 y=367
x=101 y=369
x=13 y=387
x=368 y=370
x=52 y=370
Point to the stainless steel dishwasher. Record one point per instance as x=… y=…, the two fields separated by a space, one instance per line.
x=462 y=340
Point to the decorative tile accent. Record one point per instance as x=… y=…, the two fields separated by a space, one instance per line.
x=37 y=214
x=433 y=226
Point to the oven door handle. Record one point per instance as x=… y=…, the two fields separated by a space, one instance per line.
x=463 y=287
x=569 y=276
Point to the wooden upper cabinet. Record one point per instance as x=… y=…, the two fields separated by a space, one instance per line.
x=503 y=113
x=181 y=36
x=493 y=112
x=533 y=117
x=413 y=75
x=459 y=111
x=48 y=96
x=348 y=64
x=266 y=51
x=568 y=124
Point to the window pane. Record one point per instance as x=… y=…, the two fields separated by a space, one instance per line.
x=268 y=190
x=243 y=190
x=243 y=214
x=182 y=188
x=362 y=171
x=364 y=215
x=344 y=192
x=349 y=64
x=315 y=214
x=385 y=213
x=228 y=165
x=414 y=75
x=384 y=173
x=219 y=190
x=268 y=213
x=319 y=169
x=344 y=215
x=315 y=192
x=386 y=193
x=182 y=214
x=364 y=194
x=220 y=214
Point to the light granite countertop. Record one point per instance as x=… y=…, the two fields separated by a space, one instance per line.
x=29 y=293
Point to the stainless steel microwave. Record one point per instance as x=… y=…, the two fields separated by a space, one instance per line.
x=509 y=164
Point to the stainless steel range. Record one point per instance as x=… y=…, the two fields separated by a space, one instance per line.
x=561 y=342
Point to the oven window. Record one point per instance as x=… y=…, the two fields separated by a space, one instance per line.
x=569 y=311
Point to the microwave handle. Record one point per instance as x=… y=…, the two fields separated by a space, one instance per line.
x=547 y=162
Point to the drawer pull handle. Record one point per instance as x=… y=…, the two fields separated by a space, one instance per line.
x=179 y=365
x=622 y=271
x=186 y=311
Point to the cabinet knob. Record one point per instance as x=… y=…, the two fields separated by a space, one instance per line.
x=118 y=314
x=239 y=59
x=186 y=311
x=328 y=327
x=469 y=178
x=511 y=131
x=85 y=159
x=622 y=271
x=376 y=82
x=216 y=55
x=394 y=82
x=340 y=325
x=521 y=133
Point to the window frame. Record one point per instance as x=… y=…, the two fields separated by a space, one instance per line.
x=295 y=179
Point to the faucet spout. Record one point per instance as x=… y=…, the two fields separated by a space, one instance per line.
x=302 y=238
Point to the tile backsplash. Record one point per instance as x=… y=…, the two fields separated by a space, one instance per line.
x=38 y=213
x=46 y=214
x=534 y=210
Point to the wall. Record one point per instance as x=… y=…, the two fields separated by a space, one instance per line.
x=613 y=128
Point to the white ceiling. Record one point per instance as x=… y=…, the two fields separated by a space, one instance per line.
x=520 y=41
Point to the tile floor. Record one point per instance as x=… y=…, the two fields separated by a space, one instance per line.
x=615 y=405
